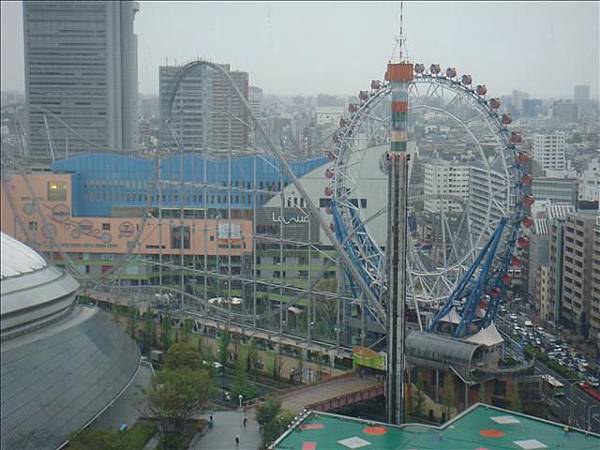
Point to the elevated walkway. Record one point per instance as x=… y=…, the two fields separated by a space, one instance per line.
x=329 y=394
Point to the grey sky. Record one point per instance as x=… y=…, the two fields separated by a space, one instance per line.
x=543 y=48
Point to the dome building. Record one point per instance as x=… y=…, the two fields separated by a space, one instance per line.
x=62 y=364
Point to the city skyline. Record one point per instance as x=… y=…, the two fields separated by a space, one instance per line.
x=256 y=37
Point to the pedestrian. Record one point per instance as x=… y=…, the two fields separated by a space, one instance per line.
x=237 y=441
x=245 y=421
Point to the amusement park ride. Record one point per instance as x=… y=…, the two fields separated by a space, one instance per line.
x=463 y=295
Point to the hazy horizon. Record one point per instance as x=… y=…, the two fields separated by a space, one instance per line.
x=288 y=49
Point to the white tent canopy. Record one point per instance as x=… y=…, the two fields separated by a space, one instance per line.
x=488 y=336
x=451 y=317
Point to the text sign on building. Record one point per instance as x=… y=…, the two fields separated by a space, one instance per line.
x=230 y=231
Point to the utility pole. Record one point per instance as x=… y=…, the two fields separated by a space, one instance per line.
x=399 y=74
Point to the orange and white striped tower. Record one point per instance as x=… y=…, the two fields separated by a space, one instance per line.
x=399 y=74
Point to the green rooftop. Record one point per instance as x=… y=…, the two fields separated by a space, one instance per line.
x=481 y=427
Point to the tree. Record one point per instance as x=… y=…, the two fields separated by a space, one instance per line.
x=240 y=382
x=252 y=358
x=174 y=397
x=419 y=396
x=268 y=410
x=166 y=331
x=182 y=355
x=132 y=315
x=149 y=331
x=449 y=395
x=276 y=426
x=186 y=330
x=223 y=346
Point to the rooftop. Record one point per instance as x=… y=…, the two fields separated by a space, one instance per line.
x=481 y=427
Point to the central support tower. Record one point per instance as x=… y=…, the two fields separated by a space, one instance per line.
x=399 y=75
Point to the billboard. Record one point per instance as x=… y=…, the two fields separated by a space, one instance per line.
x=366 y=357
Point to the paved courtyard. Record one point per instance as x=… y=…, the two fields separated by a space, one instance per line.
x=228 y=424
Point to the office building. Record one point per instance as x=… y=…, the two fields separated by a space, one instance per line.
x=555 y=190
x=589 y=182
x=549 y=151
x=581 y=96
x=445 y=178
x=206 y=113
x=532 y=108
x=595 y=294
x=80 y=71
x=483 y=188
x=565 y=112
x=577 y=271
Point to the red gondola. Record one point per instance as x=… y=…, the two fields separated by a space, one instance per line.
x=523 y=242
x=375 y=85
x=506 y=119
x=515 y=262
x=419 y=68
x=527 y=222
x=516 y=138
x=466 y=80
x=495 y=292
x=435 y=69
x=506 y=279
x=527 y=179
x=352 y=108
x=522 y=158
x=528 y=200
x=329 y=172
x=331 y=156
x=328 y=192
x=363 y=95
x=332 y=227
x=451 y=72
x=494 y=103
x=481 y=89
x=343 y=122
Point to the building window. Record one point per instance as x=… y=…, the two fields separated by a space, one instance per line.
x=33 y=226
x=180 y=236
x=106 y=227
x=57 y=191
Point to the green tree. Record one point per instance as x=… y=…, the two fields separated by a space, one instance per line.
x=276 y=426
x=223 y=346
x=149 y=331
x=182 y=355
x=268 y=410
x=449 y=394
x=186 y=330
x=240 y=385
x=132 y=316
x=252 y=358
x=174 y=397
x=419 y=396
x=166 y=327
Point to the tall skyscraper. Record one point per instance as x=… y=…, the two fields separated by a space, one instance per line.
x=206 y=112
x=80 y=71
x=582 y=95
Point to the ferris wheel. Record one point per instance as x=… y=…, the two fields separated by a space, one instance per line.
x=456 y=128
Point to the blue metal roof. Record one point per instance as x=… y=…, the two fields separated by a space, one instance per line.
x=104 y=180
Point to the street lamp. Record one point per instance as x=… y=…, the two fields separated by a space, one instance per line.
x=240 y=397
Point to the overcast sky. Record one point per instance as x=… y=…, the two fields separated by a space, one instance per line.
x=544 y=48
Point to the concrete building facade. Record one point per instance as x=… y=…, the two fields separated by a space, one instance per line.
x=556 y=190
x=445 y=178
x=206 y=112
x=80 y=70
x=577 y=271
x=595 y=290
x=549 y=151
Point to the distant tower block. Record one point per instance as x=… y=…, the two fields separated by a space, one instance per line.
x=399 y=75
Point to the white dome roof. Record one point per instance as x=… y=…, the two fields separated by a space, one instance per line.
x=18 y=259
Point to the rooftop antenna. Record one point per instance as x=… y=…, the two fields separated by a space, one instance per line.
x=400 y=39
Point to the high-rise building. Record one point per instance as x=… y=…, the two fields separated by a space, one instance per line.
x=80 y=71
x=582 y=95
x=556 y=190
x=595 y=295
x=532 y=107
x=565 y=111
x=517 y=99
x=206 y=113
x=577 y=271
x=549 y=151
x=445 y=178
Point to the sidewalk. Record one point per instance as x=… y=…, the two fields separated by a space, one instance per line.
x=228 y=425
